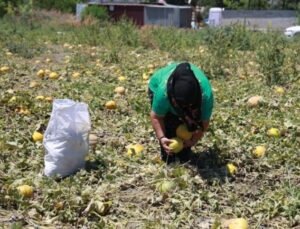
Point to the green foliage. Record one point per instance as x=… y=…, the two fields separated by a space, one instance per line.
x=222 y=44
x=246 y=4
x=122 y=33
x=166 y=39
x=235 y=36
x=68 y=6
x=209 y=3
x=2 y=8
x=24 y=42
x=231 y=4
x=218 y=44
x=26 y=8
x=127 y=33
x=265 y=190
x=9 y=7
x=13 y=8
x=298 y=12
x=171 y=40
x=176 y=2
x=257 y=4
x=271 y=57
x=97 y=12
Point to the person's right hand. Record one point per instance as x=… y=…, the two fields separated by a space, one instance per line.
x=165 y=144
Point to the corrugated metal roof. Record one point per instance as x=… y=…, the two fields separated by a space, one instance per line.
x=137 y=4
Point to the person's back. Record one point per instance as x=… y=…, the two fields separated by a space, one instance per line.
x=180 y=93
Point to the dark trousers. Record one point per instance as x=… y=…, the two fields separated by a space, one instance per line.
x=171 y=122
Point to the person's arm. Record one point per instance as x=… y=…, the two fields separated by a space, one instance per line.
x=159 y=128
x=197 y=135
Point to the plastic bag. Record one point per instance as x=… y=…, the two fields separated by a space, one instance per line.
x=66 y=138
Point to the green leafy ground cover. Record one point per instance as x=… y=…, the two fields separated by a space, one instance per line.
x=117 y=189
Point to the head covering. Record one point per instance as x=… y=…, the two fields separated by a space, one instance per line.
x=186 y=91
x=185 y=95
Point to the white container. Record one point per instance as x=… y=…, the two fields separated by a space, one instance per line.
x=215 y=17
x=66 y=139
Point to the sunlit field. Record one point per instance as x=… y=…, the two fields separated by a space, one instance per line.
x=248 y=163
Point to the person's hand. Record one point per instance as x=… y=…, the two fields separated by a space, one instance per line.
x=197 y=135
x=165 y=144
x=190 y=143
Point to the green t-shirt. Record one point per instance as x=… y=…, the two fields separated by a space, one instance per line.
x=158 y=84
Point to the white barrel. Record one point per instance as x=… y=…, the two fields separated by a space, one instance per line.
x=215 y=17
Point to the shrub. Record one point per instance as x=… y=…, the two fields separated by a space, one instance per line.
x=6 y=5
x=236 y=36
x=68 y=6
x=97 y=12
x=2 y=8
x=127 y=32
x=271 y=57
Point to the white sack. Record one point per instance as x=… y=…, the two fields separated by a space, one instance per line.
x=66 y=138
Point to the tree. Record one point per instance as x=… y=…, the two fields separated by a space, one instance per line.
x=234 y=4
x=257 y=4
x=285 y=4
x=177 y=2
